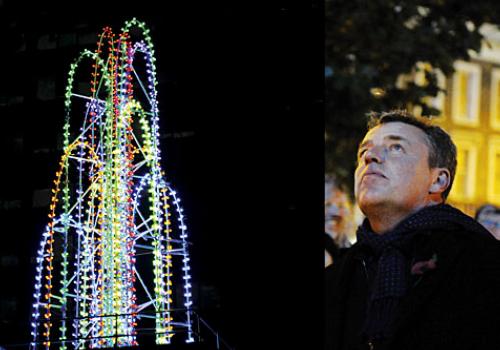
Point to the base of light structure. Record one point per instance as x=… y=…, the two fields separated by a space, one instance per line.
x=115 y=247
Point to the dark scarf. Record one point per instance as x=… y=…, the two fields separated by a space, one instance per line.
x=391 y=257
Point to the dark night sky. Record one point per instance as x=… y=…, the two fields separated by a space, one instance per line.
x=244 y=87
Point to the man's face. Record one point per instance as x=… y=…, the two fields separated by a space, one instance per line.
x=393 y=170
x=491 y=221
x=335 y=211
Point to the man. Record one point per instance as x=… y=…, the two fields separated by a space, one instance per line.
x=422 y=274
x=489 y=216
x=337 y=213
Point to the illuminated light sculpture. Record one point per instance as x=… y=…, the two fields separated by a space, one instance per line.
x=111 y=206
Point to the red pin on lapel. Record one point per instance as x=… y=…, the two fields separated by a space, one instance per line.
x=419 y=268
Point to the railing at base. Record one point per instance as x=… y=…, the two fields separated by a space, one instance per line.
x=220 y=343
x=202 y=332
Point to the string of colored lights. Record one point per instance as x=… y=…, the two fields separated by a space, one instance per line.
x=111 y=203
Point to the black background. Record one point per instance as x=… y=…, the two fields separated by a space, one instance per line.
x=241 y=108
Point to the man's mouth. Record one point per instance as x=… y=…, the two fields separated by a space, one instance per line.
x=374 y=173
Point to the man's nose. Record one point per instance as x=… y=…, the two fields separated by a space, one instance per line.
x=374 y=154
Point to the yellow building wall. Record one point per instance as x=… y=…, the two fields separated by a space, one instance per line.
x=473 y=142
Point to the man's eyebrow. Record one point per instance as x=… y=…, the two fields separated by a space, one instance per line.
x=388 y=137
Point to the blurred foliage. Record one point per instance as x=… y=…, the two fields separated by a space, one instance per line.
x=369 y=44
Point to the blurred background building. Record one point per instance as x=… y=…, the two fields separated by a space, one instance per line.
x=470 y=105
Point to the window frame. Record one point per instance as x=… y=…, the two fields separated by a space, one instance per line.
x=471 y=142
x=495 y=99
x=493 y=151
x=474 y=70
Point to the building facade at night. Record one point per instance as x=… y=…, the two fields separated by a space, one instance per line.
x=471 y=114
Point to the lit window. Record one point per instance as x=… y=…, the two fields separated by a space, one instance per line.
x=464 y=186
x=494 y=171
x=461 y=183
x=466 y=93
x=495 y=99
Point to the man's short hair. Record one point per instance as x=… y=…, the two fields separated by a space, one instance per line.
x=442 y=150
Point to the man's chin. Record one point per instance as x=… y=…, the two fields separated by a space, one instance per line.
x=369 y=202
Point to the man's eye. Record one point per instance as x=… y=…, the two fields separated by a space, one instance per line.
x=361 y=152
x=396 y=147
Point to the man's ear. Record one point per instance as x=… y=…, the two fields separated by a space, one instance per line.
x=441 y=180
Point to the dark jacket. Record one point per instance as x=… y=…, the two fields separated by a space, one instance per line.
x=454 y=306
x=331 y=247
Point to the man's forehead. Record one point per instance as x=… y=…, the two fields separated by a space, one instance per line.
x=396 y=130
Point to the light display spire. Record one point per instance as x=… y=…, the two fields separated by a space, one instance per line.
x=115 y=247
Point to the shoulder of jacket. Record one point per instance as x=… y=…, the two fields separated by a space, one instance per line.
x=480 y=251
